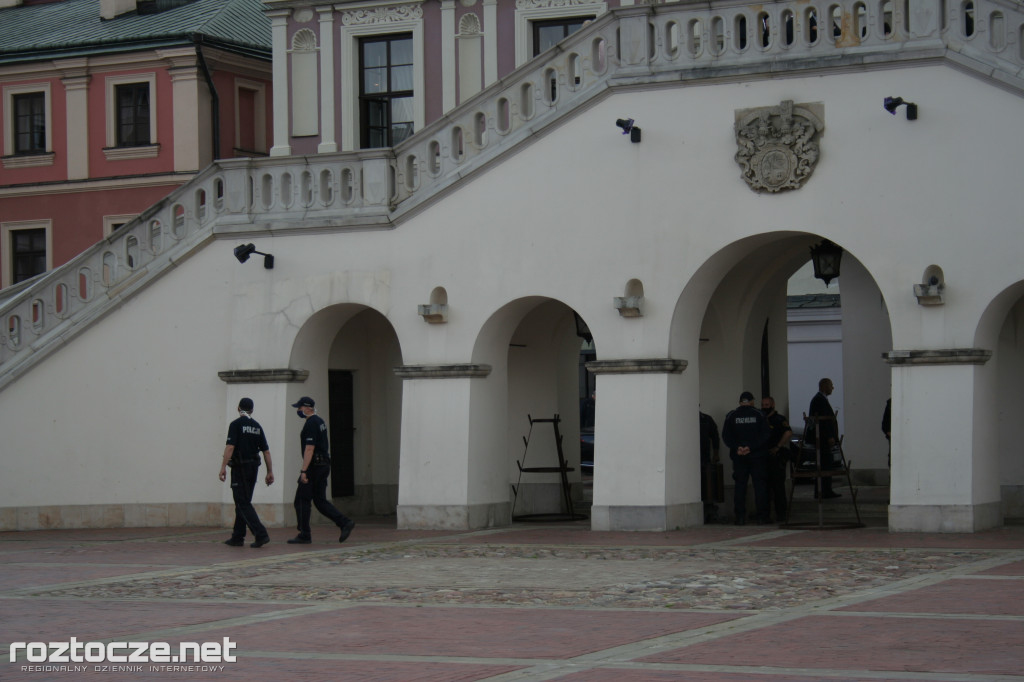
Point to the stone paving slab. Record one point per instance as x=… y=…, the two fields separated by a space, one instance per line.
x=38 y=620
x=1015 y=569
x=935 y=645
x=39 y=573
x=502 y=633
x=961 y=596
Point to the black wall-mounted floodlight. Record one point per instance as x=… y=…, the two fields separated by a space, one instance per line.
x=891 y=104
x=243 y=251
x=629 y=129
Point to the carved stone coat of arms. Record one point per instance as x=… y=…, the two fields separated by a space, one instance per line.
x=778 y=145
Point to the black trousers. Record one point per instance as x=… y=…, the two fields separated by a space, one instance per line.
x=243 y=483
x=755 y=468
x=777 y=467
x=314 y=493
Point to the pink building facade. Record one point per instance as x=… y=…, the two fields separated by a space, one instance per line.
x=109 y=106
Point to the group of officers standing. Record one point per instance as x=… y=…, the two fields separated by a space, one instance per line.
x=246 y=441
x=759 y=448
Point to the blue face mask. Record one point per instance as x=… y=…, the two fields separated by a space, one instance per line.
x=302 y=415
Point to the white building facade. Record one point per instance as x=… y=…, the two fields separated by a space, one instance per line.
x=428 y=294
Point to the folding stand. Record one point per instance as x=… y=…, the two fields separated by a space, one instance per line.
x=563 y=469
x=818 y=472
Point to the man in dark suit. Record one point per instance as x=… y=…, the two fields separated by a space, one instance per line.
x=828 y=430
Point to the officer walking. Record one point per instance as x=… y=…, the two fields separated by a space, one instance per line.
x=778 y=456
x=246 y=441
x=316 y=467
x=745 y=432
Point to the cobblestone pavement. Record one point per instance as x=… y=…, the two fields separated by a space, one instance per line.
x=529 y=602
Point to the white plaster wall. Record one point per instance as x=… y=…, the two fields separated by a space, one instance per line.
x=573 y=217
x=865 y=337
x=132 y=410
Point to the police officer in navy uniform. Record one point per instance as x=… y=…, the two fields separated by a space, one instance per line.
x=745 y=431
x=316 y=467
x=778 y=456
x=246 y=441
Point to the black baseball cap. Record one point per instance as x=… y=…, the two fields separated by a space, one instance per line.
x=746 y=397
x=306 y=401
x=245 y=404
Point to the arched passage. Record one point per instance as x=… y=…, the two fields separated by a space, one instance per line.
x=732 y=318
x=998 y=467
x=533 y=348
x=350 y=352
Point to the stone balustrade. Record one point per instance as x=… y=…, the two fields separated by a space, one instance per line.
x=638 y=46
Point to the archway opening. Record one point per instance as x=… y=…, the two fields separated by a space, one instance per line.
x=351 y=352
x=760 y=331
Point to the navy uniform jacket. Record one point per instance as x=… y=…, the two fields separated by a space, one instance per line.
x=828 y=428
x=746 y=426
x=314 y=432
x=778 y=425
x=247 y=436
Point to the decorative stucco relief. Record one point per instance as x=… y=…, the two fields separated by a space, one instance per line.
x=381 y=15
x=537 y=4
x=778 y=145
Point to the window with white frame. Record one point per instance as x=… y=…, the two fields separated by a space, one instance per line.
x=131 y=116
x=27 y=248
x=552 y=17
x=112 y=223
x=356 y=28
x=28 y=126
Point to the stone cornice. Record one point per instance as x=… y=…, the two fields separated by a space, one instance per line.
x=264 y=376
x=639 y=366
x=467 y=371
x=942 y=356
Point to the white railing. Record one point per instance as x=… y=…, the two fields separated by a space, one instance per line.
x=638 y=46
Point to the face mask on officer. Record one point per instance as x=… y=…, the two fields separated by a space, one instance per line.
x=302 y=415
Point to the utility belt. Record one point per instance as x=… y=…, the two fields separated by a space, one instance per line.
x=238 y=461
x=320 y=459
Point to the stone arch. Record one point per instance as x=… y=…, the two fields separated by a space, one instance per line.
x=533 y=348
x=996 y=432
x=736 y=301
x=350 y=351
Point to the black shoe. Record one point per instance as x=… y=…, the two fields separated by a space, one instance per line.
x=829 y=496
x=235 y=542
x=260 y=543
x=299 y=540
x=346 y=530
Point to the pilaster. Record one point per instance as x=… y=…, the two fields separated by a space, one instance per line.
x=640 y=482
x=328 y=95
x=279 y=39
x=76 y=94
x=448 y=55
x=438 y=485
x=944 y=474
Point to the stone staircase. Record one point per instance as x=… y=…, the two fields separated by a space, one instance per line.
x=635 y=47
